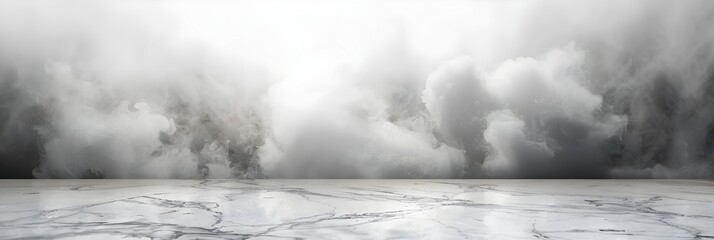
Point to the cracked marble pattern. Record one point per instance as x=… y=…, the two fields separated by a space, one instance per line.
x=356 y=209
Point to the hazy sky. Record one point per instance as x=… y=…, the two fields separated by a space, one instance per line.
x=356 y=89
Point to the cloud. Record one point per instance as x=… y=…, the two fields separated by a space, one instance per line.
x=277 y=89
x=552 y=125
x=324 y=125
x=457 y=102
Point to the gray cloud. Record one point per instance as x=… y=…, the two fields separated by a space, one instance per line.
x=279 y=89
x=552 y=125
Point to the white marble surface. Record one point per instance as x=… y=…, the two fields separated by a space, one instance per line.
x=357 y=209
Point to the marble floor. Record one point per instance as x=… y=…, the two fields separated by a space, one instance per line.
x=356 y=209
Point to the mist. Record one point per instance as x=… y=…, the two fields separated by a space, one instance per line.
x=356 y=89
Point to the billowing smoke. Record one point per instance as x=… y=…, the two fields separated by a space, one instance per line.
x=324 y=123
x=552 y=126
x=375 y=89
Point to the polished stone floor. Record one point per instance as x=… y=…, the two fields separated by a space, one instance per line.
x=356 y=209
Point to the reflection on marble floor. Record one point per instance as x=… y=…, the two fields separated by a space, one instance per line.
x=357 y=209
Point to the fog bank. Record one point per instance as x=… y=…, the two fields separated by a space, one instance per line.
x=356 y=89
